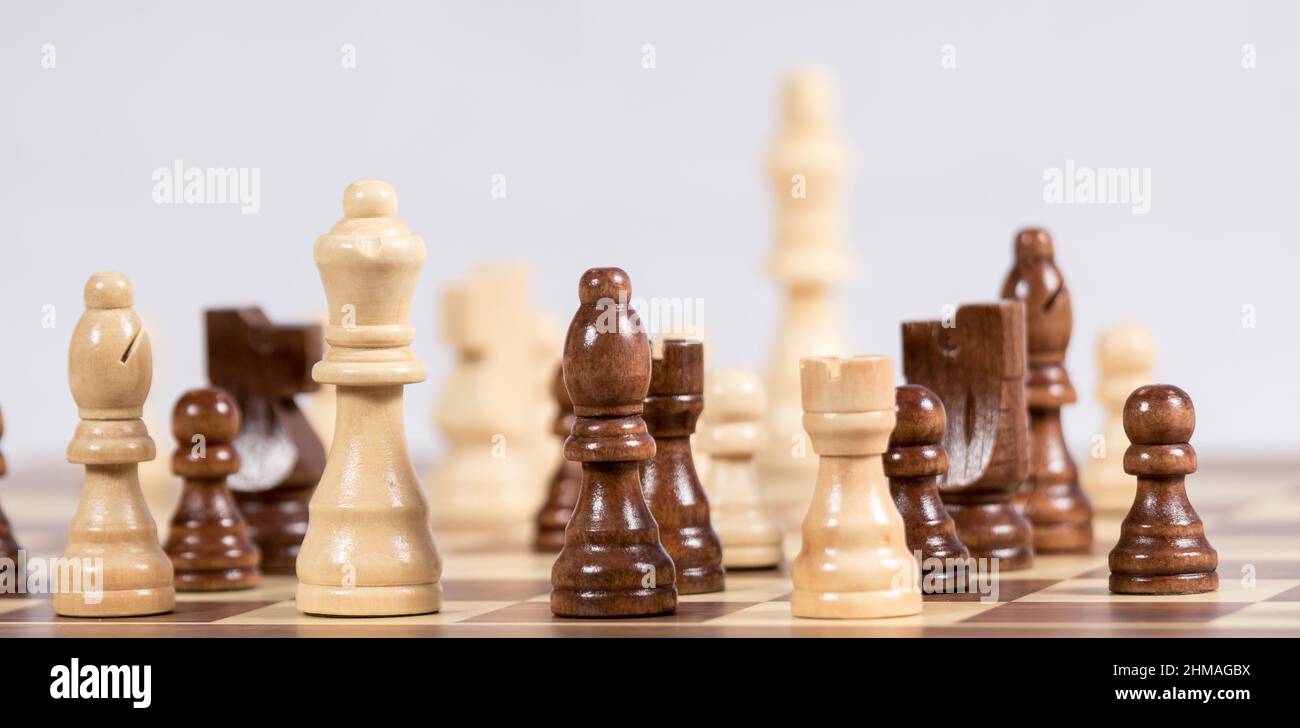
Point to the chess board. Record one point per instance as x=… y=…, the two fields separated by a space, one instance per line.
x=496 y=586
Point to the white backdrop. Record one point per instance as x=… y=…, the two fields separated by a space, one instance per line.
x=659 y=170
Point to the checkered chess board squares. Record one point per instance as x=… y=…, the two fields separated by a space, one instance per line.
x=494 y=585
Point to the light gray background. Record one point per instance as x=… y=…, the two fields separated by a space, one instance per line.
x=659 y=171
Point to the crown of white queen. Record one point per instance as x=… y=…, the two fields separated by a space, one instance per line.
x=369 y=262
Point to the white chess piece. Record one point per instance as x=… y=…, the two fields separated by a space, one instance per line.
x=1125 y=357
x=854 y=562
x=750 y=538
x=807 y=166
x=369 y=547
x=495 y=407
x=117 y=564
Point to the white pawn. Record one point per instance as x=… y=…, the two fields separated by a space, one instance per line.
x=117 y=566
x=1125 y=357
x=854 y=562
x=750 y=538
x=369 y=547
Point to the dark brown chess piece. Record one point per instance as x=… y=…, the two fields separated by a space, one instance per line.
x=1051 y=498
x=1162 y=547
x=612 y=563
x=672 y=487
x=9 y=547
x=976 y=364
x=565 y=483
x=208 y=542
x=263 y=365
x=915 y=464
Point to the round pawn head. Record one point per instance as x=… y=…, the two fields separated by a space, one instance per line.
x=108 y=290
x=1033 y=244
x=369 y=198
x=1159 y=414
x=209 y=412
x=734 y=395
x=205 y=421
x=920 y=418
x=1126 y=348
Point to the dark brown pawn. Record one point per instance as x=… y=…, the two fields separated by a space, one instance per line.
x=1162 y=547
x=672 y=487
x=208 y=543
x=915 y=463
x=612 y=563
x=1050 y=497
x=263 y=365
x=9 y=547
x=565 y=483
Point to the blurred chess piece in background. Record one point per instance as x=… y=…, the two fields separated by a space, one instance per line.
x=807 y=165
x=495 y=410
x=1125 y=359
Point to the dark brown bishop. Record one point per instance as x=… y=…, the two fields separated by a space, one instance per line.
x=1162 y=547
x=562 y=493
x=672 y=487
x=263 y=365
x=612 y=563
x=975 y=363
x=915 y=463
x=1051 y=498
x=208 y=542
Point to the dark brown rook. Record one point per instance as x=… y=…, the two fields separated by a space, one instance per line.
x=1162 y=547
x=208 y=543
x=1051 y=498
x=9 y=547
x=565 y=483
x=612 y=563
x=672 y=488
x=263 y=365
x=915 y=464
x=976 y=364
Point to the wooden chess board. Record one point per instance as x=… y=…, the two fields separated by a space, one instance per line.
x=495 y=586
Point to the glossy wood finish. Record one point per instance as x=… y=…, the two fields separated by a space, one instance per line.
x=854 y=562
x=208 y=542
x=915 y=464
x=112 y=541
x=9 y=547
x=750 y=536
x=671 y=486
x=566 y=482
x=1125 y=360
x=369 y=547
x=612 y=563
x=807 y=166
x=263 y=366
x=1051 y=498
x=1162 y=547
x=977 y=367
